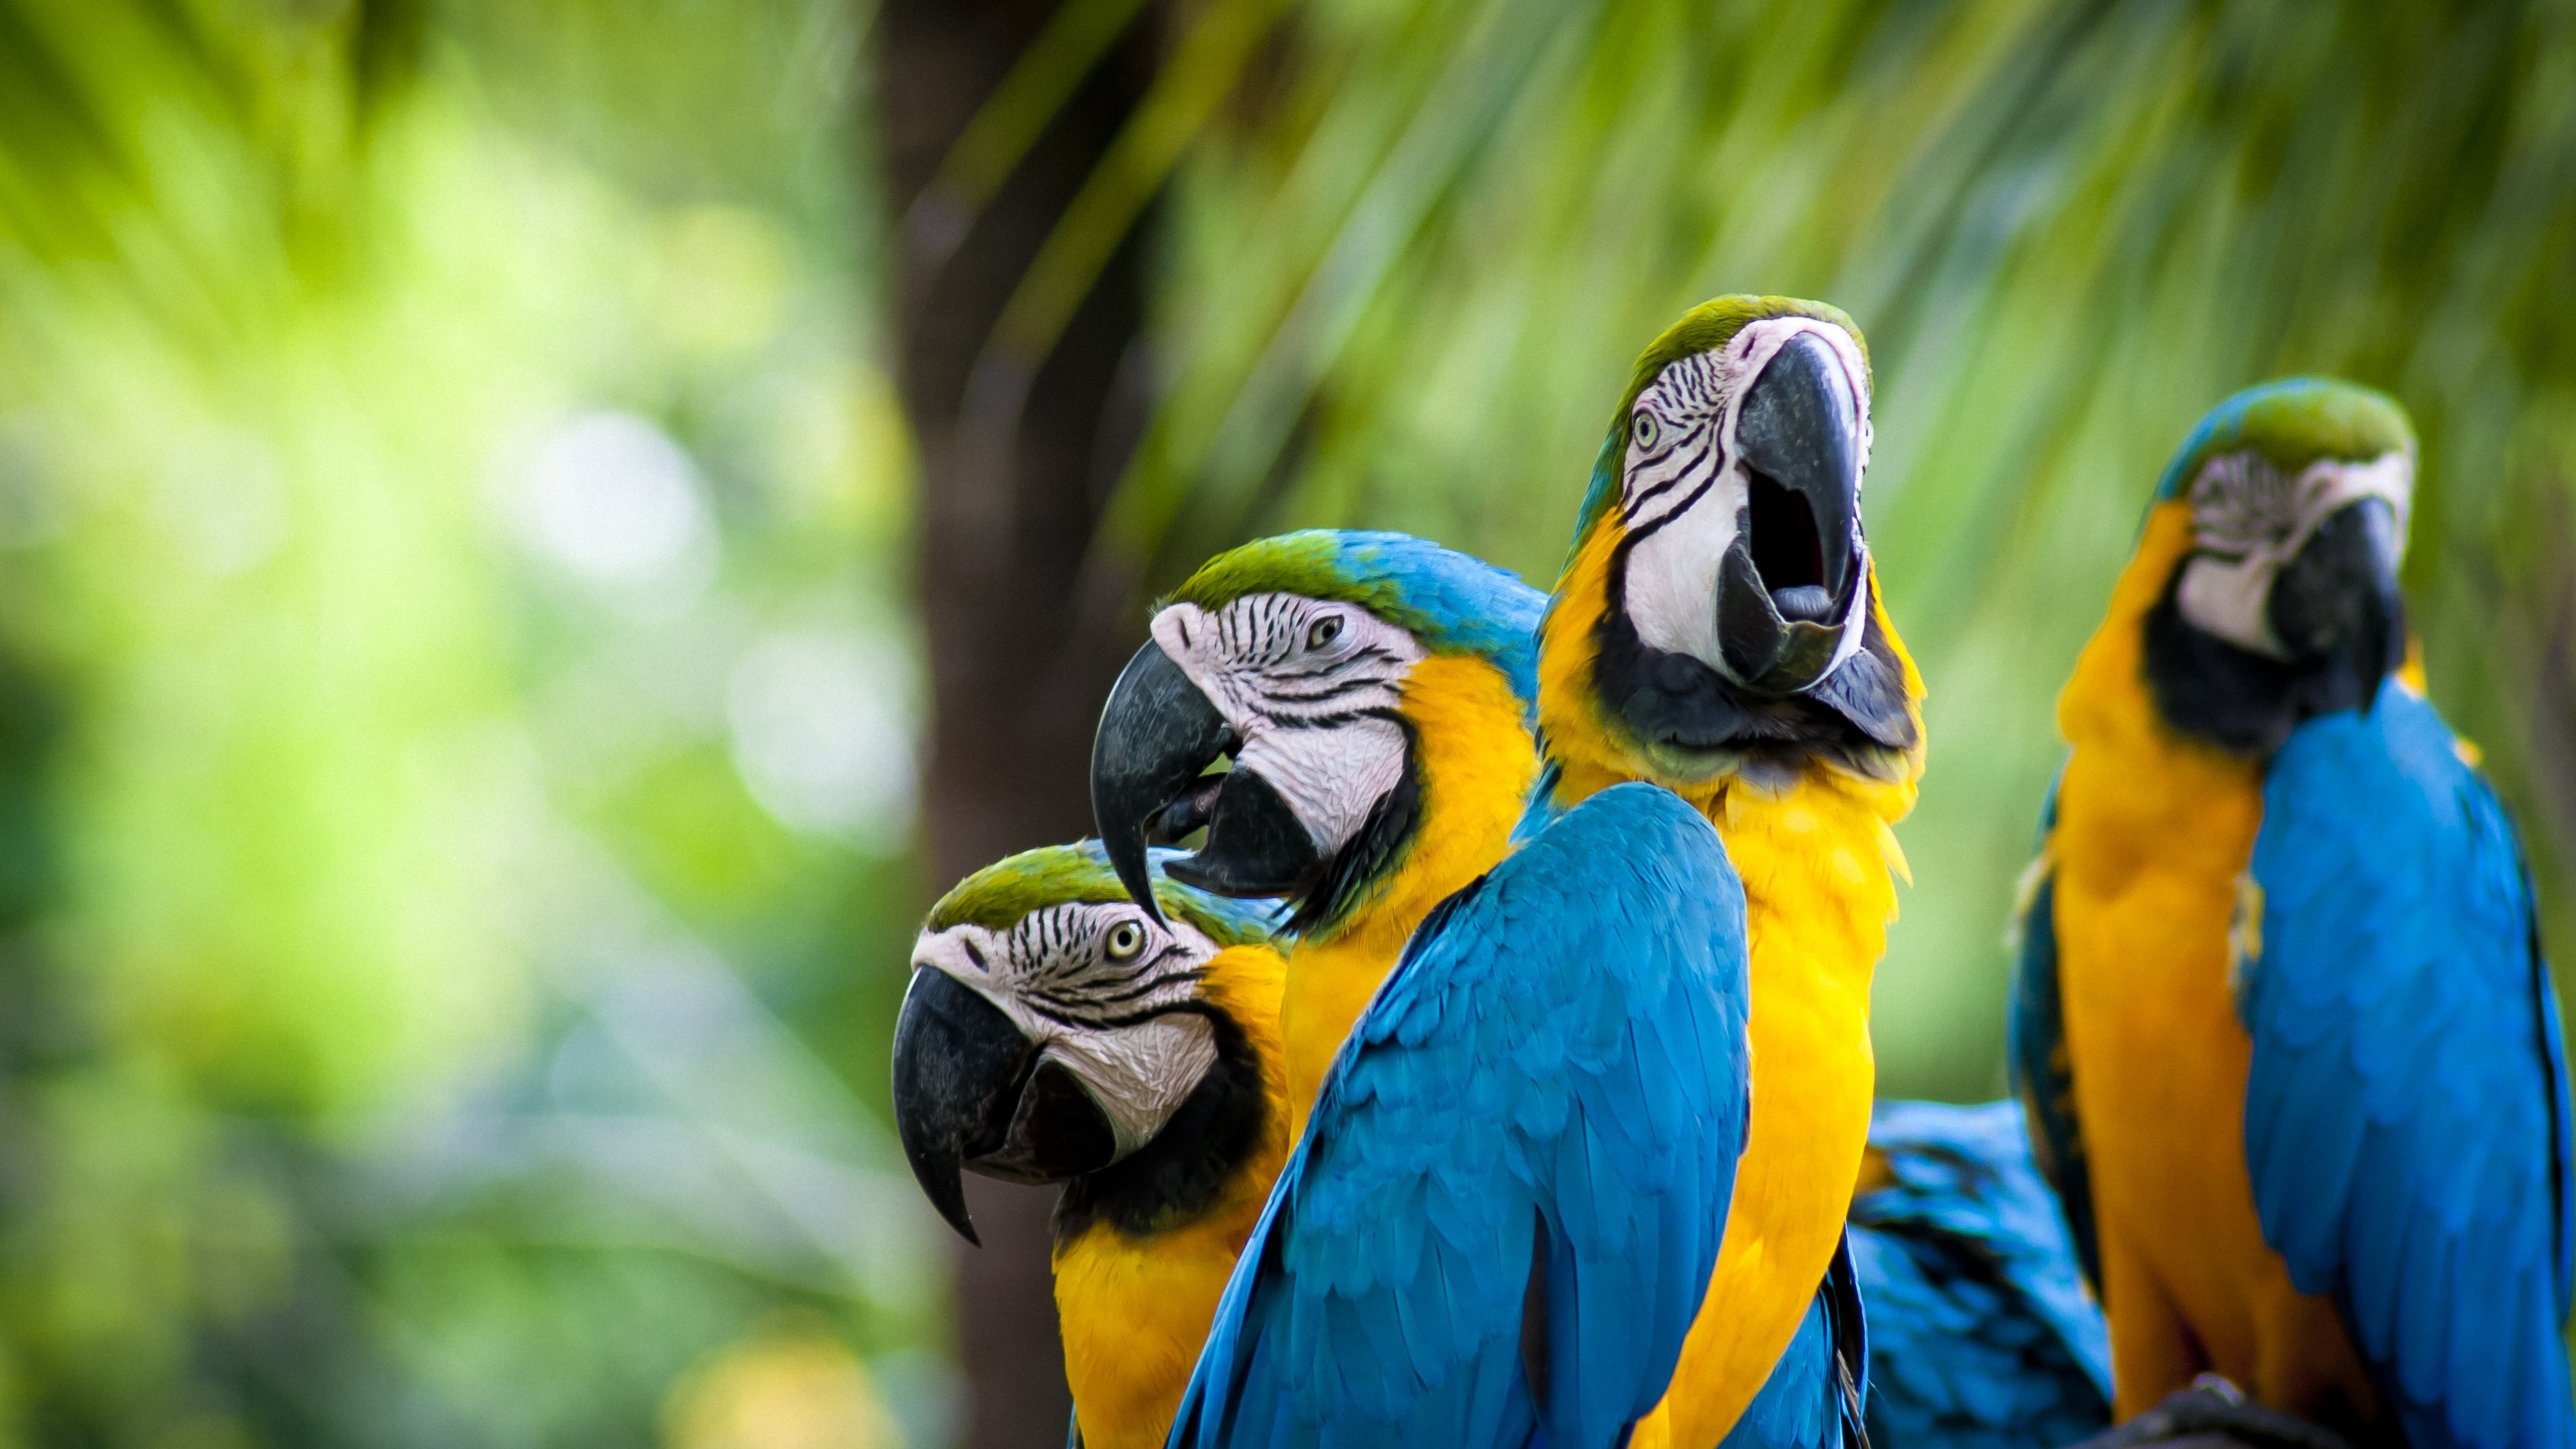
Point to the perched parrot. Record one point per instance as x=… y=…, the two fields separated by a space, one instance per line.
x=1374 y=692
x=1055 y=1032
x=2283 y=1029
x=1507 y=1212
x=1717 y=630
x=1981 y=1333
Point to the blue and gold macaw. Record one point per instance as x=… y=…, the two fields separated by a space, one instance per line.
x=1374 y=693
x=2283 y=1026
x=1981 y=1333
x=1055 y=1032
x=1518 y=1206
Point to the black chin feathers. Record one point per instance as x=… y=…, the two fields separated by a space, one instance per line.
x=1854 y=718
x=1204 y=1147
x=1373 y=852
x=2243 y=702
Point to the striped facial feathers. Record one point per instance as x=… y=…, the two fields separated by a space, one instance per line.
x=2249 y=518
x=1308 y=689
x=1101 y=990
x=1701 y=496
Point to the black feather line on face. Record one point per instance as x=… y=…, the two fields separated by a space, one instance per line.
x=2243 y=702
x=1854 y=718
x=1375 y=850
x=1203 y=1147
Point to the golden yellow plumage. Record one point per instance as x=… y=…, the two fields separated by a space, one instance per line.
x=1816 y=861
x=1135 y=1308
x=1476 y=761
x=2154 y=833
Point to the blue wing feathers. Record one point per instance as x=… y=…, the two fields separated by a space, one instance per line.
x=1811 y=1400
x=2405 y=1117
x=1559 y=1056
x=2042 y=1074
x=1796 y=1407
x=1983 y=1336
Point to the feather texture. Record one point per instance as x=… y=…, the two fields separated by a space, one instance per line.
x=2405 y=1118
x=2041 y=1071
x=1813 y=1396
x=1983 y=1334
x=1556 y=1070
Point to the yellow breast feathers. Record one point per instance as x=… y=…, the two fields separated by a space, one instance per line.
x=1817 y=863
x=1135 y=1309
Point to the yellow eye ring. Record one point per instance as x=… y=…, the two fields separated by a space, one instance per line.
x=1644 y=429
x=1125 y=940
x=1322 y=633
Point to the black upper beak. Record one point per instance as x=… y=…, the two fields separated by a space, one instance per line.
x=1158 y=734
x=1786 y=583
x=971 y=1091
x=2337 y=602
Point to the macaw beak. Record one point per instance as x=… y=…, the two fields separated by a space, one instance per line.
x=2337 y=598
x=971 y=1091
x=1158 y=734
x=1786 y=584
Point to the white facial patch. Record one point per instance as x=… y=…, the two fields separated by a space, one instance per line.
x=1684 y=492
x=1109 y=1022
x=2248 y=519
x=1310 y=688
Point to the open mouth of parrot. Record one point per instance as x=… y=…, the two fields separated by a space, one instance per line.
x=1786 y=585
x=972 y=1093
x=1800 y=670
x=1158 y=735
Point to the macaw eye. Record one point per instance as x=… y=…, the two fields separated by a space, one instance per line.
x=1645 y=429
x=1125 y=940
x=1322 y=633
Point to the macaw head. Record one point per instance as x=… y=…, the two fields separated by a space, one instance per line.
x=2283 y=519
x=1718 y=614
x=1293 y=658
x=1056 y=1032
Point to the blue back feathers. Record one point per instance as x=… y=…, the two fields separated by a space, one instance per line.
x=1557 y=1067
x=2406 y=1116
x=1982 y=1334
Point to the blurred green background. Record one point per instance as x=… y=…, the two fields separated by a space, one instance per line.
x=535 y=536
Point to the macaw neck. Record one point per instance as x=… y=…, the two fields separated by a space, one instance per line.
x=2214 y=691
x=1473 y=762
x=1229 y=1123
x=1818 y=861
x=1592 y=752
x=1140 y=1264
x=2134 y=784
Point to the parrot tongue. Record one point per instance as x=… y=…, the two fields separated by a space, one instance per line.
x=1788 y=579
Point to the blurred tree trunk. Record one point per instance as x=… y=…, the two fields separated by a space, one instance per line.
x=1017 y=459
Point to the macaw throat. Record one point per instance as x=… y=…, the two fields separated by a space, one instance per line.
x=2336 y=608
x=1210 y=1140
x=1699 y=723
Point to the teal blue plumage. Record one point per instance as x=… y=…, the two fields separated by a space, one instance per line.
x=1982 y=1334
x=2406 y=1116
x=2042 y=1077
x=1558 y=1062
x=1811 y=1399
